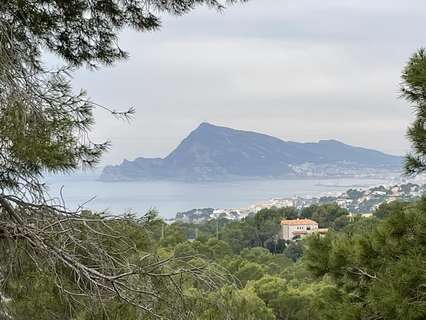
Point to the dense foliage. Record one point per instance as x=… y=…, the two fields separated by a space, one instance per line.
x=85 y=32
x=372 y=268
x=68 y=257
x=414 y=91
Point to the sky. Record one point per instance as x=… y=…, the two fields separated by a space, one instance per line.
x=300 y=70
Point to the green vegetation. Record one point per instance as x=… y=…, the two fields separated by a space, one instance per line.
x=57 y=264
x=414 y=91
x=379 y=264
x=372 y=268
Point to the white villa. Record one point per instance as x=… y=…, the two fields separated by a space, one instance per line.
x=298 y=228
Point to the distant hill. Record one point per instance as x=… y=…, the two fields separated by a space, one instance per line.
x=212 y=152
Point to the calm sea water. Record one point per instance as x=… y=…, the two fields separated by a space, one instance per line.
x=171 y=197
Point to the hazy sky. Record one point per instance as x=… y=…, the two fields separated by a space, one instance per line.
x=300 y=70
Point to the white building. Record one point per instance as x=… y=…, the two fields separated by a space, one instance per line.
x=298 y=228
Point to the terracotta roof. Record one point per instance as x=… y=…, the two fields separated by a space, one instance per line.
x=298 y=222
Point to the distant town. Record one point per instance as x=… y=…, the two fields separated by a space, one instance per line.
x=355 y=200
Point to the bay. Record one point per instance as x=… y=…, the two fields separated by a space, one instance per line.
x=170 y=197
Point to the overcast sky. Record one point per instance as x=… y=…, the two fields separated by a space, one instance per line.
x=300 y=70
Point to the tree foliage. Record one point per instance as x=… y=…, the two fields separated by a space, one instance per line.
x=381 y=266
x=413 y=89
x=45 y=127
x=86 y=32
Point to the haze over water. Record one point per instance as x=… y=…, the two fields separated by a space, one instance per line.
x=170 y=197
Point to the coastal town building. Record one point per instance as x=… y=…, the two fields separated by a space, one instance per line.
x=298 y=228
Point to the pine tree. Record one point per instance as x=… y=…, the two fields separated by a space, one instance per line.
x=45 y=127
x=414 y=91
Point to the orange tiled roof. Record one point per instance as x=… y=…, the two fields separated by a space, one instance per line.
x=298 y=222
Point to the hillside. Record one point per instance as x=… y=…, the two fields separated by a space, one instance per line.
x=212 y=152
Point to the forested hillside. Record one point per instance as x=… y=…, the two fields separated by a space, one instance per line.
x=370 y=268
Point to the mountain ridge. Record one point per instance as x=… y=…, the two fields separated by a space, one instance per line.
x=213 y=152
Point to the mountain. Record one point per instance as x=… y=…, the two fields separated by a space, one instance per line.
x=212 y=152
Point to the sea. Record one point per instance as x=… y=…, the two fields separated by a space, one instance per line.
x=170 y=197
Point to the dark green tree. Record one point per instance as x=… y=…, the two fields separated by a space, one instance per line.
x=379 y=265
x=327 y=215
x=385 y=209
x=45 y=127
x=413 y=89
x=229 y=303
x=294 y=250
